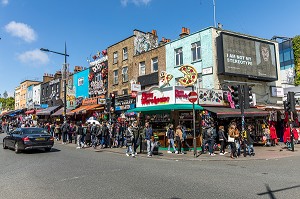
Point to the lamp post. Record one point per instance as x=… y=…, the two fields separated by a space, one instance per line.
x=65 y=75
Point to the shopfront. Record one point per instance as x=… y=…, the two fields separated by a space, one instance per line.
x=164 y=106
x=90 y=107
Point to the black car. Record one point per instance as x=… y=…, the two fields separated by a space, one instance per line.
x=28 y=138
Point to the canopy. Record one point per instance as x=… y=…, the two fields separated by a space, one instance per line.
x=30 y=112
x=60 y=111
x=84 y=109
x=48 y=111
x=224 y=112
x=166 y=107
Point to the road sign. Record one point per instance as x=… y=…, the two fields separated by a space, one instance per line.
x=193 y=96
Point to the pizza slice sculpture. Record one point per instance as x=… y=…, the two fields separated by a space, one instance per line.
x=190 y=75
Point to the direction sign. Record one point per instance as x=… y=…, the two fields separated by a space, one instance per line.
x=193 y=96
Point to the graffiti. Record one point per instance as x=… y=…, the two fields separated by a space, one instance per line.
x=144 y=42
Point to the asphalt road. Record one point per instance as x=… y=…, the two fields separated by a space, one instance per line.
x=67 y=172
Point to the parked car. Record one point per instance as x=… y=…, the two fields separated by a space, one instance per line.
x=28 y=138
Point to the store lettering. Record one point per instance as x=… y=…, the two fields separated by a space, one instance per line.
x=147 y=98
x=180 y=94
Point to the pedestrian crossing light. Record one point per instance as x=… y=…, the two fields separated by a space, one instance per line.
x=291 y=102
x=236 y=95
x=248 y=96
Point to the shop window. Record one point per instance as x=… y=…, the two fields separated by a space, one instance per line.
x=125 y=92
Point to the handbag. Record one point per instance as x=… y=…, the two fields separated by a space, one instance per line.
x=230 y=139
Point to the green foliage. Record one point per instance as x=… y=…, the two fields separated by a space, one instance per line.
x=296 y=49
x=8 y=103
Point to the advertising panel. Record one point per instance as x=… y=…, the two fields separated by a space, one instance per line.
x=248 y=57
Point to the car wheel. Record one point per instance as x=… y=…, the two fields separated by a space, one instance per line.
x=4 y=145
x=17 y=150
x=48 y=149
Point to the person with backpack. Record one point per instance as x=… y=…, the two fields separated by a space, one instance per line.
x=65 y=127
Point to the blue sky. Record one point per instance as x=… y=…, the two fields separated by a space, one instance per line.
x=89 y=26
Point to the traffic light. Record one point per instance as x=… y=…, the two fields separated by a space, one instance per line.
x=291 y=102
x=113 y=99
x=248 y=96
x=236 y=95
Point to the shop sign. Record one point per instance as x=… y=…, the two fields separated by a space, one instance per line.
x=125 y=104
x=92 y=101
x=151 y=99
x=181 y=95
x=277 y=91
x=207 y=71
x=101 y=101
x=44 y=105
x=136 y=87
x=211 y=97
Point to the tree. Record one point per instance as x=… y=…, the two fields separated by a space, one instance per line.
x=296 y=49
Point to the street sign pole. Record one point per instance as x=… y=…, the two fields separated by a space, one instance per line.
x=193 y=98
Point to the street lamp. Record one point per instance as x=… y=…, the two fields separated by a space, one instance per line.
x=65 y=72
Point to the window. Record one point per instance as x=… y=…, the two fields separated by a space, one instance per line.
x=80 y=81
x=154 y=63
x=125 y=53
x=98 y=77
x=125 y=92
x=125 y=74
x=196 y=54
x=115 y=57
x=142 y=68
x=116 y=80
x=43 y=92
x=57 y=87
x=178 y=57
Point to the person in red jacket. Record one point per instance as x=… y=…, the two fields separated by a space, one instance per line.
x=296 y=136
x=273 y=135
x=287 y=134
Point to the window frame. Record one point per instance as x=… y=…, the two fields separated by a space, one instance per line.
x=115 y=57
x=125 y=54
x=179 y=54
x=196 y=46
x=125 y=77
x=152 y=64
x=116 y=77
x=140 y=67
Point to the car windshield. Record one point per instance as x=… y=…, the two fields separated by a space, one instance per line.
x=34 y=131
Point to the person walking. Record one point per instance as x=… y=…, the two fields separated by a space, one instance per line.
x=273 y=135
x=148 y=137
x=171 y=136
x=65 y=128
x=179 y=139
x=105 y=135
x=234 y=133
x=93 y=135
x=222 y=139
x=79 y=136
x=129 y=139
x=136 y=135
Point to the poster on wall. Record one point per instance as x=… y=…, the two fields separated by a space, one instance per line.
x=255 y=59
x=211 y=97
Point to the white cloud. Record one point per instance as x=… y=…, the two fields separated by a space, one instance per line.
x=135 y=2
x=34 y=57
x=4 y=2
x=21 y=30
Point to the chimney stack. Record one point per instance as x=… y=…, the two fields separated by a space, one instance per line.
x=47 y=77
x=154 y=32
x=184 y=32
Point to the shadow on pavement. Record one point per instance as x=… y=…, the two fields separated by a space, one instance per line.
x=271 y=193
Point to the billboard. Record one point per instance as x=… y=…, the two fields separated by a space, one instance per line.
x=242 y=56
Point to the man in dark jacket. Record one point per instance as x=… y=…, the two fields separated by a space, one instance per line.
x=136 y=135
x=148 y=137
x=105 y=135
x=65 y=128
x=79 y=136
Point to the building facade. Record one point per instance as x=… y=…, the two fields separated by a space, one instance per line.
x=23 y=91
x=29 y=97
x=17 y=97
x=37 y=95
x=225 y=58
x=287 y=63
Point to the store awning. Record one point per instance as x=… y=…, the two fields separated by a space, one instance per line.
x=84 y=109
x=224 y=112
x=60 y=111
x=166 y=107
x=48 y=111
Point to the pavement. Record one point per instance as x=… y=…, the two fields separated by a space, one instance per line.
x=261 y=153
